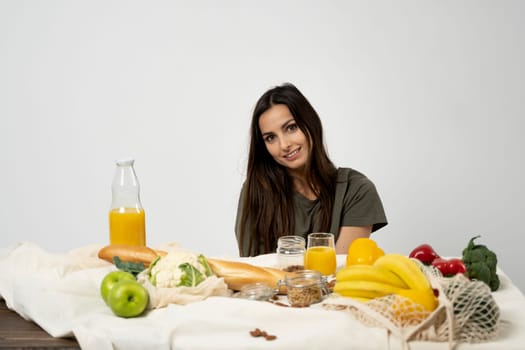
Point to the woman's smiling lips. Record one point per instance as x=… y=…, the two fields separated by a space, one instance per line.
x=292 y=155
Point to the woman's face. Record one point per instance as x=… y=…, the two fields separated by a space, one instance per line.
x=285 y=142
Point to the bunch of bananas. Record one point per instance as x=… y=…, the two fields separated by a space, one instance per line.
x=389 y=274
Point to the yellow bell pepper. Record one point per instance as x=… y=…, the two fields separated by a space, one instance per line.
x=363 y=251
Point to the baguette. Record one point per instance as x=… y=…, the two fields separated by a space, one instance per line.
x=235 y=274
x=130 y=253
x=238 y=274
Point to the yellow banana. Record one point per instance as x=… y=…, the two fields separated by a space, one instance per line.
x=370 y=273
x=364 y=289
x=423 y=297
x=404 y=268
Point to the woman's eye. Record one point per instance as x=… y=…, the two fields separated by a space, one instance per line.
x=292 y=127
x=269 y=138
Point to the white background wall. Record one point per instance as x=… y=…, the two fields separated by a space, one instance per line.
x=425 y=97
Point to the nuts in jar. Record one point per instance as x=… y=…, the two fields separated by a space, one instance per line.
x=302 y=296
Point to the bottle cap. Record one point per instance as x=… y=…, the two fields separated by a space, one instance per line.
x=125 y=161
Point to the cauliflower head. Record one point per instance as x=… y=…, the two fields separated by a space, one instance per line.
x=179 y=268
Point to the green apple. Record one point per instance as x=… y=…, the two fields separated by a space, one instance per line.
x=111 y=279
x=128 y=298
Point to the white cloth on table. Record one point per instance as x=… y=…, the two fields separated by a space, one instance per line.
x=60 y=292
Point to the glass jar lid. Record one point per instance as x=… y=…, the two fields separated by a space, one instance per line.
x=290 y=245
x=256 y=291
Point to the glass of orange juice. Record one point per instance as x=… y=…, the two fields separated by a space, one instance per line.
x=320 y=253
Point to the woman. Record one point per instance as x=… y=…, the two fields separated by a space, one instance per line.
x=292 y=187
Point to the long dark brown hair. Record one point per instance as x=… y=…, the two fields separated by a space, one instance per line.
x=267 y=210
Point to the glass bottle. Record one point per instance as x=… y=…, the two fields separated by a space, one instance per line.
x=127 y=220
x=290 y=252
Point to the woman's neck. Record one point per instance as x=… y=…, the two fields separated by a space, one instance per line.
x=301 y=186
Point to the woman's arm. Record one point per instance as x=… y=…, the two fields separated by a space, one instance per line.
x=347 y=234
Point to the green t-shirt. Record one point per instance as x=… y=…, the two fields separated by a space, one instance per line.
x=357 y=203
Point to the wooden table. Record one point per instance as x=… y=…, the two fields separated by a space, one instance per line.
x=15 y=332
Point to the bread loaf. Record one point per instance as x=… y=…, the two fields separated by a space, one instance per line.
x=236 y=274
x=129 y=253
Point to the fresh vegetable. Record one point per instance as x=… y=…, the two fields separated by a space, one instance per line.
x=424 y=253
x=449 y=267
x=191 y=275
x=428 y=256
x=179 y=268
x=481 y=263
x=204 y=263
x=363 y=251
x=129 y=266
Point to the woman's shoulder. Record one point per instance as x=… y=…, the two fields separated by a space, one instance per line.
x=354 y=184
x=350 y=175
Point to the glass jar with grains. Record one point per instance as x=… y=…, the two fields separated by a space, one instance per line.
x=305 y=287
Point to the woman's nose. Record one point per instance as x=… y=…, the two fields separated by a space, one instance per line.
x=285 y=143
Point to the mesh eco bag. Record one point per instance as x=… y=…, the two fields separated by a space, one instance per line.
x=467 y=312
x=162 y=296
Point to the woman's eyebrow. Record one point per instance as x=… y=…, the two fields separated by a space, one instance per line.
x=285 y=124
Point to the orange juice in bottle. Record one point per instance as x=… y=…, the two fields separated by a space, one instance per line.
x=127 y=226
x=127 y=220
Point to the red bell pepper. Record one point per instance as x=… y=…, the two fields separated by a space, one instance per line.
x=424 y=253
x=449 y=267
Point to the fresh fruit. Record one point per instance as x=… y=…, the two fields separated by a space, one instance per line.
x=372 y=273
x=363 y=251
x=423 y=297
x=405 y=312
x=112 y=278
x=406 y=269
x=389 y=274
x=365 y=289
x=128 y=298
